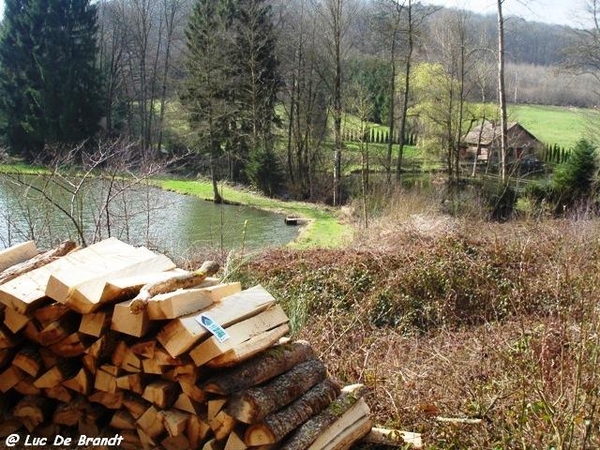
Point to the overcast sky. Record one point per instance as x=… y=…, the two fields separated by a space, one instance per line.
x=562 y=12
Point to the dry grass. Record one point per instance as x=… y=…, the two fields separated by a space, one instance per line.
x=458 y=318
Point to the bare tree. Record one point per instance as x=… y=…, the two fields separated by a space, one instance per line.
x=502 y=92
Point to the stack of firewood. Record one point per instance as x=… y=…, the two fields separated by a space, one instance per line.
x=114 y=341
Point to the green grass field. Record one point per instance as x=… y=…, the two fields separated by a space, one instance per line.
x=555 y=124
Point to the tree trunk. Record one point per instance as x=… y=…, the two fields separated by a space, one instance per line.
x=254 y=404
x=502 y=93
x=267 y=365
x=276 y=426
x=405 y=93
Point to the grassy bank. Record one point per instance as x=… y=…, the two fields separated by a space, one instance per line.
x=323 y=228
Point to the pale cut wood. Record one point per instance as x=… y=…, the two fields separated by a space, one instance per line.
x=58 y=392
x=197 y=430
x=277 y=425
x=151 y=422
x=73 y=345
x=186 y=301
x=161 y=393
x=124 y=322
x=63 y=370
x=214 y=407
x=83 y=289
x=239 y=333
x=193 y=391
x=187 y=404
x=249 y=348
x=14 y=320
x=393 y=438
x=222 y=424
x=26 y=387
x=129 y=286
x=57 y=331
x=95 y=324
x=132 y=382
x=50 y=313
x=108 y=399
x=352 y=426
x=17 y=254
x=7 y=339
x=235 y=441
x=254 y=404
x=175 y=422
x=179 y=335
x=27 y=291
x=213 y=444
x=261 y=368
x=186 y=281
x=310 y=430
x=37 y=261
x=33 y=411
x=135 y=404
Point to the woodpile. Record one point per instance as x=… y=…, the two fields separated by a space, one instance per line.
x=115 y=341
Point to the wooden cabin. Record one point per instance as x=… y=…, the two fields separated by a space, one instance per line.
x=483 y=143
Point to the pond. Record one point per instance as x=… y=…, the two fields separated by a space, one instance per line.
x=51 y=209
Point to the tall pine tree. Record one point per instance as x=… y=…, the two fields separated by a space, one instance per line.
x=49 y=86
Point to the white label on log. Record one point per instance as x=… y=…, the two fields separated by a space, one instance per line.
x=217 y=330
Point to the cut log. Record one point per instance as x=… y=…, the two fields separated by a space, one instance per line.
x=308 y=432
x=14 y=320
x=122 y=420
x=135 y=404
x=36 y=262
x=187 y=404
x=33 y=411
x=185 y=281
x=213 y=444
x=175 y=422
x=7 y=339
x=179 y=442
x=9 y=378
x=235 y=441
x=353 y=425
x=254 y=404
x=107 y=399
x=73 y=345
x=26 y=387
x=185 y=301
x=161 y=393
x=393 y=438
x=50 y=313
x=249 y=348
x=63 y=370
x=151 y=422
x=29 y=360
x=59 y=330
x=78 y=279
x=131 y=382
x=58 y=392
x=192 y=391
x=17 y=254
x=222 y=424
x=197 y=430
x=179 y=335
x=261 y=368
x=123 y=321
x=95 y=324
x=82 y=382
x=276 y=426
x=239 y=333
x=105 y=382
x=9 y=426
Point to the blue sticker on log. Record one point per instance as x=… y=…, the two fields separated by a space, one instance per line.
x=217 y=330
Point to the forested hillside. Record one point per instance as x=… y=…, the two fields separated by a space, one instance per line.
x=260 y=91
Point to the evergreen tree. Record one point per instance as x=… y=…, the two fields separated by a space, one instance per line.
x=573 y=180
x=257 y=82
x=49 y=86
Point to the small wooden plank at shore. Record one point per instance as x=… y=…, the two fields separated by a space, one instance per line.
x=17 y=254
x=186 y=301
x=238 y=333
x=179 y=335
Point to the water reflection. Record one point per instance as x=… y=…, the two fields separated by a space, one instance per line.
x=49 y=211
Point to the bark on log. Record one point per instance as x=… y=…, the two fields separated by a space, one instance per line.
x=37 y=261
x=261 y=368
x=185 y=281
x=17 y=254
x=308 y=432
x=254 y=404
x=276 y=426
